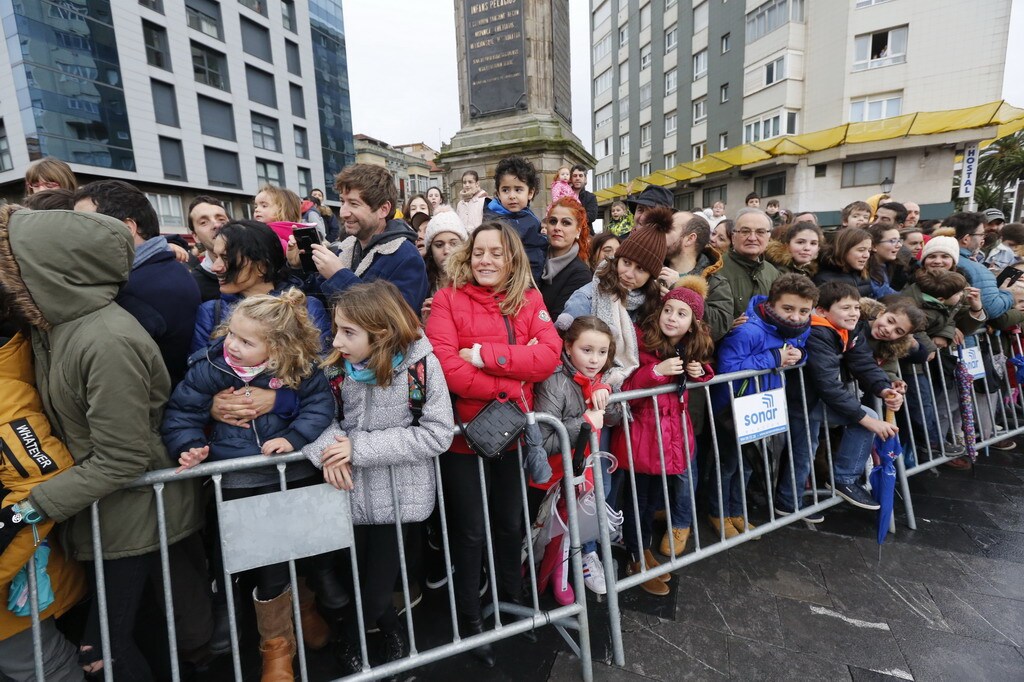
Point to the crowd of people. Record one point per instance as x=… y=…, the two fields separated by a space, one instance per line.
x=363 y=337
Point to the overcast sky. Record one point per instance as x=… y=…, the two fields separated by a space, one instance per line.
x=404 y=85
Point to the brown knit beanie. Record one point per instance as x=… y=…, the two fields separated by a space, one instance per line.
x=646 y=245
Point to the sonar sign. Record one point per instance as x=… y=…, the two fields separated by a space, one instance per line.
x=760 y=415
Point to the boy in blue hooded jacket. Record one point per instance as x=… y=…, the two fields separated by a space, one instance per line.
x=773 y=337
x=515 y=184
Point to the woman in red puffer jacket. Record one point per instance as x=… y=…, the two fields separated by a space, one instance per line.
x=495 y=339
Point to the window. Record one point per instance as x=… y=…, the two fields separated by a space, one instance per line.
x=698 y=150
x=670 y=160
x=210 y=67
x=165 y=104
x=204 y=16
x=723 y=141
x=624 y=144
x=700 y=17
x=713 y=194
x=671 y=121
x=173 y=158
x=603 y=48
x=769 y=126
x=603 y=83
x=876 y=107
x=265 y=133
x=168 y=209
x=671 y=39
x=603 y=115
x=602 y=13
x=291 y=51
x=301 y=143
x=624 y=106
x=645 y=168
x=820 y=170
x=868 y=3
x=671 y=81
x=216 y=118
x=726 y=40
x=305 y=182
x=723 y=93
x=255 y=39
x=269 y=173
x=645 y=16
x=255 y=5
x=603 y=147
x=603 y=180
x=771 y=185
x=222 y=168
x=775 y=71
x=298 y=101
x=884 y=48
x=157 y=52
x=155 y=5
x=700 y=64
x=288 y=15
x=6 y=163
x=645 y=95
x=772 y=15
x=624 y=176
x=868 y=172
x=645 y=56
x=260 y=85
x=700 y=109
x=683 y=202
x=623 y=72
x=645 y=135
x=623 y=36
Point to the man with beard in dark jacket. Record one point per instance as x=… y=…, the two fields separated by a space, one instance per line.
x=206 y=215
x=578 y=180
x=160 y=293
x=376 y=246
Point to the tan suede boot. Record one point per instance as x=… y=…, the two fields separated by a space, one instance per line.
x=315 y=630
x=277 y=636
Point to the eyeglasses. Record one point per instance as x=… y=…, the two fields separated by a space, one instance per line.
x=892 y=242
x=746 y=232
x=978 y=234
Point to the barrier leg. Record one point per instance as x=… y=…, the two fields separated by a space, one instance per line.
x=165 y=570
x=101 y=593
x=908 y=503
x=610 y=569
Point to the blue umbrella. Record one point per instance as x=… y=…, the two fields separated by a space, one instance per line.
x=883 y=481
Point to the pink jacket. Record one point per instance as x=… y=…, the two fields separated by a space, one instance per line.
x=643 y=430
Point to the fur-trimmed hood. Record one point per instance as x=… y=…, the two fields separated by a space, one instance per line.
x=58 y=266
x=778 y=255
x=884 y=351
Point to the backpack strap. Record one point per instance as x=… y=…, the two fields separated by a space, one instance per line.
x=417 y=389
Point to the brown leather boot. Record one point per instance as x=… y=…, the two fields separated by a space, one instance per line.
x=277 y=636
x=315 y=630
x=653 y=586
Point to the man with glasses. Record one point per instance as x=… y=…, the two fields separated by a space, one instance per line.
x=970 y=234
x=744 y=273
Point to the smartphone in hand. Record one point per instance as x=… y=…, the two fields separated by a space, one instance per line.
x=305 y=237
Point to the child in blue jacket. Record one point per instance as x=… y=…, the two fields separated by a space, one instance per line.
x=515 y=184
x=773 y=337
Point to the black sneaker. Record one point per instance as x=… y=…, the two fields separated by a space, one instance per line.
x=394 y=646
x=349 y=657
x=857 y=496
x=437 y=576
x=815 y=517
x=949 y=449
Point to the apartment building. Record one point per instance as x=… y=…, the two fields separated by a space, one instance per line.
x=181 y=97
x=677 y=80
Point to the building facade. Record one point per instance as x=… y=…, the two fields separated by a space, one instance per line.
x=180 y=97
x=677 y=80
x=412 y=165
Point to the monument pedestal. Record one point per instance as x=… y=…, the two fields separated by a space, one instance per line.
x=514 y=92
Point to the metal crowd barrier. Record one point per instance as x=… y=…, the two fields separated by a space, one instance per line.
x=820 y=499
x=509 y=619
x=998 y=408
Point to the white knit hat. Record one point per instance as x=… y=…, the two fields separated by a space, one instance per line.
x=446 y=221
x=946 y=245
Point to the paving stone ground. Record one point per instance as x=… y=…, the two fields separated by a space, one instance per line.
x=944 y=602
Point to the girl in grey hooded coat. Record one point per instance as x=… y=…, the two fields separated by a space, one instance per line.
x=394 y=418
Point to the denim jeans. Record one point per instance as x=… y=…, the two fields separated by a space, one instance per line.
x=735 y=473
x=682 y=514
x=648 y=494
x=921 y=410
x=848 y=458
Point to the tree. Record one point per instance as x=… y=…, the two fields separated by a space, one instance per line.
x=990 y=196
x=1002 y=163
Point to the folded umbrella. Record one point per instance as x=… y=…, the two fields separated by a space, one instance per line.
x=964 y=384
x=536 y=461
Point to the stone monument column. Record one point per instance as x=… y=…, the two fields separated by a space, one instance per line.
x=514 y=92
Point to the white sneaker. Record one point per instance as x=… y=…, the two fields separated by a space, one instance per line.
x=593 y=573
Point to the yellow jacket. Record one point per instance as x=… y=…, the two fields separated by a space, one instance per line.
x=29 y=454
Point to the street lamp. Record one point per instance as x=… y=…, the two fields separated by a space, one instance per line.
x=886 y=185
